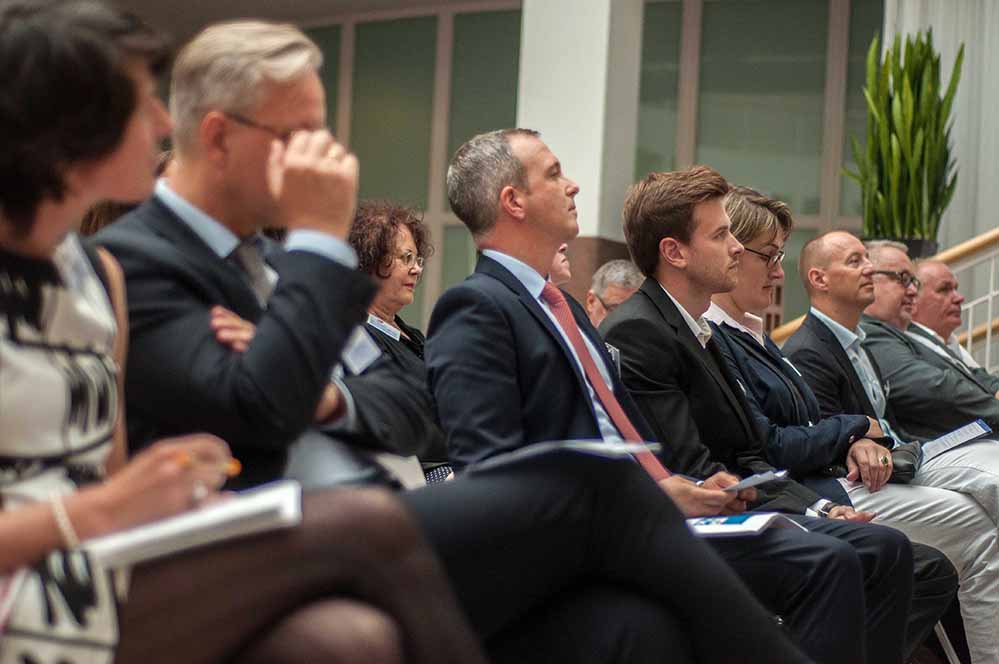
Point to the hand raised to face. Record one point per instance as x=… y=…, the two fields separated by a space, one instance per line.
x=314 y=181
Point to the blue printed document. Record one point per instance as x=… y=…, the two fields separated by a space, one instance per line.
x=740 y=525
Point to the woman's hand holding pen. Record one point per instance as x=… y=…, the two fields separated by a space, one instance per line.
x=172 y=476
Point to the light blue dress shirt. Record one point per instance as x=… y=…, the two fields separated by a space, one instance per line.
x=535 y=283
x=851 y=341
x=223 y=241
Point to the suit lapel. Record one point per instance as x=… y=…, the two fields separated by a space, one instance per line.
x=200 y=258
x=716 y=368
x=780 y=368
x=802 y=390
x=829 y=340
x=489 y=267
x=944 y=350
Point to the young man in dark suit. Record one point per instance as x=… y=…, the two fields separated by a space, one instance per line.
x=513 y=360
x=679 y=236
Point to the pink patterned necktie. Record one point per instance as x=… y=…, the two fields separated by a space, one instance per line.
x=560 y=309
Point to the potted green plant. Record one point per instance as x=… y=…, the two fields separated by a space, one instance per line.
x=906 y=171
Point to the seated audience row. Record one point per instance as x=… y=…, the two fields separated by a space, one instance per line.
x=512 y=361
x=294 y=354
x=532 y=549
x=844 y=457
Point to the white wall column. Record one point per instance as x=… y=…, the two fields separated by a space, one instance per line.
x=975 y=134
x=580 y=64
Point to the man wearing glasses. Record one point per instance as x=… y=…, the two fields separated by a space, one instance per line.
x=253 y=152
x=929 y=393
x=613 y=283
x=853 y=352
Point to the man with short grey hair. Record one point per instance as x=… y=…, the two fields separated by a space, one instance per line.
x=251 y=151
x=938 y=315
x=613 y=283
x=930 y=393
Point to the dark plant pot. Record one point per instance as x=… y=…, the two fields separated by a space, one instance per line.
x=918 y=247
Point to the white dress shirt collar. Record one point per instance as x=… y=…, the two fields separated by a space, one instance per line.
x=930 y=332
x=699 y=327
x=750 y=324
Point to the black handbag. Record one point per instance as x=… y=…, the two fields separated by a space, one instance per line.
x=906 y=458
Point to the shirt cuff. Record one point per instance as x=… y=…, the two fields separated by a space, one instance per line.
x=347 y=423
x=813 y=509
x=323 y=244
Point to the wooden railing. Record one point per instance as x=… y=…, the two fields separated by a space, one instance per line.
x=979 y=333
x=959 y=257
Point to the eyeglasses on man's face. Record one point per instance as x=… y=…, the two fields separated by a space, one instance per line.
x=283 y=135
x=409 y=259
x=904 y=277
x=770 y=259
x=607 y=307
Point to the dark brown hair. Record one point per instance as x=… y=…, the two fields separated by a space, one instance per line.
x=373 y=235
x=66 y=96
x=662 y=205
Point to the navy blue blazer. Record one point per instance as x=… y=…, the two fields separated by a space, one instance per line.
x=181 y=380
x=826 y=368
x=501 y=374
x=786 y=411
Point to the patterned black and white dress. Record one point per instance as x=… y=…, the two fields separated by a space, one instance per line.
x=58 y=406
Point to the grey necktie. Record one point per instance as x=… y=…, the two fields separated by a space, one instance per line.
x=249 y=257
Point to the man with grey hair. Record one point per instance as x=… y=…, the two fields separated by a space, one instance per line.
x=930 y=393
x=613 y=283
x=938 y=316
x=251 y=150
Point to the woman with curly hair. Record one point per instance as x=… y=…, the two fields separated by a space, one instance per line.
x=392 y=246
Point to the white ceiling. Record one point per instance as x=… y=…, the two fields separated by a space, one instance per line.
x=181 y=18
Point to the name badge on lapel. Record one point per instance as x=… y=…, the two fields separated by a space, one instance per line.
x=361 y=351
x=378 y=323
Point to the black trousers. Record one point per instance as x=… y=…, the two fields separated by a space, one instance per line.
x=571 y=558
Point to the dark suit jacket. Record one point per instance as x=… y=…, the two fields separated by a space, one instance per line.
x=423 y=435
x=501 y=373
x=990 y=381
x=929 y=394
x=826 y=368
x=695 y=406
x=786 y=411
x=181 y=380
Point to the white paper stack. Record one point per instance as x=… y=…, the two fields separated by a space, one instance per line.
x=740 y=525
x=269 y=507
